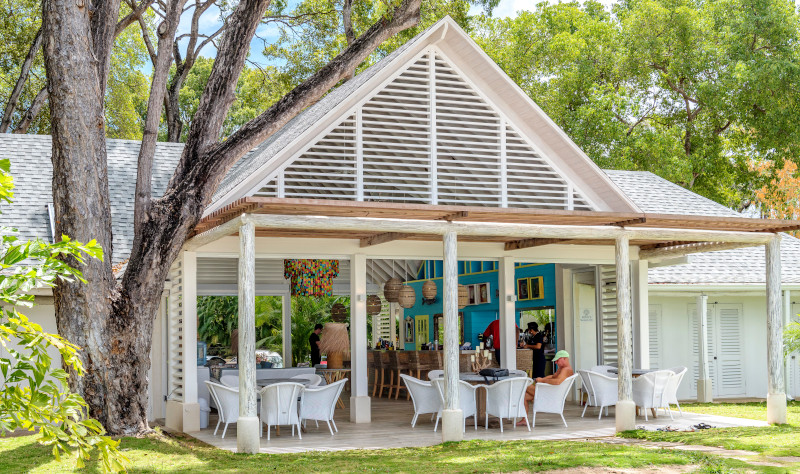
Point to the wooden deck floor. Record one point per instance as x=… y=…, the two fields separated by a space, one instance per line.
x=391 y=428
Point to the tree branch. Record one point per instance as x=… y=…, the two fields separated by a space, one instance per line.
x=33 y=111
x=104 y=29
x=134 y=15
x=349 y=34
x=11 y=105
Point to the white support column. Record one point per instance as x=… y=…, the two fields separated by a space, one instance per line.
x=705 y=392
x=626 y=409
x=642 y=313
x=247 y=439
x=787 y=319
x=286 y=329
x=190 y=409
x=776 y=395
x=508 y=313
x=451 y=414
x=360 y=407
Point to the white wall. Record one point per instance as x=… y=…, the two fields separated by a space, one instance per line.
x=676 y=338
x=43 y=314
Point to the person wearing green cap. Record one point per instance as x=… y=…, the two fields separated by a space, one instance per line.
x=564 y=370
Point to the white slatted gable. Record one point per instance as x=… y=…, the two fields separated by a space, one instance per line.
x=428 y=136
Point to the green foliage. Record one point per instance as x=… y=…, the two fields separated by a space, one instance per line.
x=35 y=395
x=791 y=337
x=695 y=92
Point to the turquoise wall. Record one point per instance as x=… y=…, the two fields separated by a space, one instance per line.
x=477 y=317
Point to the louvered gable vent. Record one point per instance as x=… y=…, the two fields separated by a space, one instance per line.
x=427 y=126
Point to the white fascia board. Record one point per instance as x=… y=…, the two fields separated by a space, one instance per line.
x=697 y=288
x=523 y=100
x=306 y=139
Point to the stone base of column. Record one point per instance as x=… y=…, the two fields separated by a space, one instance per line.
x=247 y=435
x=360 y=409
x=452 y=425
x=625 y=415
x=776 y=408
x=705 y=392
x=183 y=417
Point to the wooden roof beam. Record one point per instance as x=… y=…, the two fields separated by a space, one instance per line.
x=453 y=216
x=381 y=238
x=535 y=242
x=635 y=221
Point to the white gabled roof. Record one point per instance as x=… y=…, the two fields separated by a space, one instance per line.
x=491 y=102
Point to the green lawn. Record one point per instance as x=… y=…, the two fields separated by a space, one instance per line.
x=781 y=440
x=184 y=455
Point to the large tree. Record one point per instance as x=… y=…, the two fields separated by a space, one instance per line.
x=112 y=321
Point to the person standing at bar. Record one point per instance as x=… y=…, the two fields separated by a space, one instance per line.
x=535 y=342
x=313 y=341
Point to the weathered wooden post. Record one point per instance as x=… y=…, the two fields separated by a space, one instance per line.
x=626 y=408
x=452 y=418
x=776 y=397
x=247 y=440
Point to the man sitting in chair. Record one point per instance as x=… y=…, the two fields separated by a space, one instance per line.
x=564 y=370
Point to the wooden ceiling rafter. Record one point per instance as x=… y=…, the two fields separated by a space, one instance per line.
x=378 y=239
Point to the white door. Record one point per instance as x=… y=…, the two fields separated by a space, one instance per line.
x=725 y=349
x=794 y=359
x=655 y=336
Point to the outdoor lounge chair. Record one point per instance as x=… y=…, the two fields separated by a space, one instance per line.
x=466 y=398
x=649 y=390
x=551 y=398
x=602 y=389
x=671 y=391
x=230 y=381
x=506 y=399
x=318 y=404
x=424 y=396
x=435 y=374
x=227 y=401
x=314 y=380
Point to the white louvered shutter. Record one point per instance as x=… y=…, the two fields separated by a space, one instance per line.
x=695 y=335
x=175 y=337
x=608 y=313
x=654 y=320
x=729 y=351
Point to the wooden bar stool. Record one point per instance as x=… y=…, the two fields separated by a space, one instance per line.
x=413 y=363
x=403 y=367
x=387 y=375
x=374 y=365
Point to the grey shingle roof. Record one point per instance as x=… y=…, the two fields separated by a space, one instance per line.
x=32 y=171
x=656 y=195
x=303 y=121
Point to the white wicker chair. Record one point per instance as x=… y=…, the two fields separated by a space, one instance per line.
x=671 y=391
x=466 y=398
x=435 y=374
x=649 y=390
x=517 y=373
x=603 y=369
x=604 y=389
x=587 y=387
x=318 y=404
x=227 y=401
x=506 y=399
x=279 y=406
x=314 y=380
x=230 y=381
x=424 y=396
x=551 y=398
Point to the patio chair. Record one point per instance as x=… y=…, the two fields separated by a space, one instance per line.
x=435 y=374
x=649 y=390
x=318 y=404
x=424 y=396
x=466 y=398
x=230 y=381
x=313 y=379
x=506 y=399
x=551 y=398
x=279 y=406
x=602 y=369
x=604 y=390
x=517 y=373
x=227 y=401
x=586 y=385
x=671 y=391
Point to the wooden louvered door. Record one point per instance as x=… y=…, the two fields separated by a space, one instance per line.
x=725 y=349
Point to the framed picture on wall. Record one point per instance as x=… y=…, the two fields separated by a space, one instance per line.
x=409 y=321
x=523 y=291
x=536 y=288
x=472 y=299
x=483 y=293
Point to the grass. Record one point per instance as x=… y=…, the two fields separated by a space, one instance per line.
x=783 y=440
x=179 y=455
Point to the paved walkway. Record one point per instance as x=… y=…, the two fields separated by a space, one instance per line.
x=391 y=428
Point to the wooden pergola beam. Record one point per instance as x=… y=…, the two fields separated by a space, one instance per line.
x=535 y=242
x=454 y=215
x=381 y=238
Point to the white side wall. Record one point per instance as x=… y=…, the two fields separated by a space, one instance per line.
x=43 y=314
x=675 y=338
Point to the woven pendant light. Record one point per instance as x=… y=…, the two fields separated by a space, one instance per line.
x=429 y=290
x=373 y=305
x=463 y=296
x=391 y=289
x=339 y=312
x=407 y=296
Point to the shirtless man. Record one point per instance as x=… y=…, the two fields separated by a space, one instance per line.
x=564 y=370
